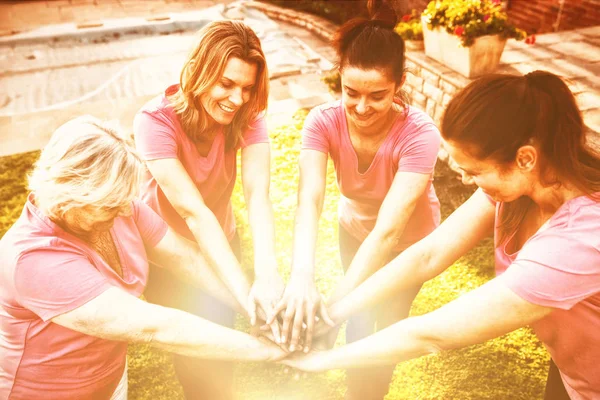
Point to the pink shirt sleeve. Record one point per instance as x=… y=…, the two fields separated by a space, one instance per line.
x=151 y=226
x=555 y=270
x=56 y=280
x=155 y=136
x=419 y=154
x=256 y=133
x=314 y=131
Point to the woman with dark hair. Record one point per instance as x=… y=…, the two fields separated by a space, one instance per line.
x=189 y=137
x=522 y=140
x=384 y=152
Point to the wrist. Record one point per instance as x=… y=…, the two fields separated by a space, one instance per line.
x=302 y=273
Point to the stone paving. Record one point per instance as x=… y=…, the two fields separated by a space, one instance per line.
x=43 y=83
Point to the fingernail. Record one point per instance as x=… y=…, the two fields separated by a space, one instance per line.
x=292 y=347
x=306 y=349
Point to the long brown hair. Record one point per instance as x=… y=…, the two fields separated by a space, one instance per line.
x=497 y=114
x=218 y=42
x=373 y=43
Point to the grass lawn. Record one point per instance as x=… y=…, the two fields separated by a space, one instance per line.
x=511 y=367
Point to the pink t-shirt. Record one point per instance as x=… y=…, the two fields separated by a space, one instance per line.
x=560 y=268
x=158 y=135
x=45 y=272
x=411 y=146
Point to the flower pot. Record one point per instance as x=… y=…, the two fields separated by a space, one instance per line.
x=481 y=58
x=414 y=45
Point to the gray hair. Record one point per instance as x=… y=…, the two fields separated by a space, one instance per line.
x=86 y=162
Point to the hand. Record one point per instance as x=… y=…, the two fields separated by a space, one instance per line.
x=311 y=362
x=264 y=295
x=325 y=336
x=300 y=304
x=275 y=353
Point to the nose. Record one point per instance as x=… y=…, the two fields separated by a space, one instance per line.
x=361 y=107
x=237 y=97
x=466 y=178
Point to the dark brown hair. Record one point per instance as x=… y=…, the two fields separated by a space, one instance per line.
x=372 y=43
x=497 y=114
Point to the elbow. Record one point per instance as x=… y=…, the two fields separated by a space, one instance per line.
x=428 y=341
x=386 y=237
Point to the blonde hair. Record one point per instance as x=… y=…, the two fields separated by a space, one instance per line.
x=86 y=162
x=219 y=41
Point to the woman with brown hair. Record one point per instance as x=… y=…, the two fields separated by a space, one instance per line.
x=189 y=137
x=384 y=152
x=522 y=140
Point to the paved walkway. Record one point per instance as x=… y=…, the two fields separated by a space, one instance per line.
x=109 y=73
x=23 y=16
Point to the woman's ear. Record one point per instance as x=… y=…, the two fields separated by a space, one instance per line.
x=526 y=158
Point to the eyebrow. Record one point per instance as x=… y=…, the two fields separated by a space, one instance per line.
x=228 y=80
x=375 y=92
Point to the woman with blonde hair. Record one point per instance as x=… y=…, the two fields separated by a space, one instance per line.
x=72 y=269
x=189 y=137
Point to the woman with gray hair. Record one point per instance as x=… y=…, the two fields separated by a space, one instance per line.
x=72 y=269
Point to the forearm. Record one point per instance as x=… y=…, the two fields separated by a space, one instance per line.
x=306 y=226
x=194 y=269
x=215 y=248
x=262 y=224
x=399 y=342
x=412 y=267
x=183 y=333
x=372 y=254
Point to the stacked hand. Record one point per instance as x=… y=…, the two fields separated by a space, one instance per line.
x=294 y=318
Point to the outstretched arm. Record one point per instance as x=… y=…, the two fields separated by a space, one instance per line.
x=301 y=301
x=189 y=204
x=117 y=315
x=424 y=260
x=485 y=313
x=268 y=286
x=397 y=208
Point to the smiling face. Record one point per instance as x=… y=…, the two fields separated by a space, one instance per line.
x=367 y=95
x=230 y=92
x=89 y=220
x=501 y=182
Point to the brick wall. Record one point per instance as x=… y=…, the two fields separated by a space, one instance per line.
x=539 y=16
x=535 y=16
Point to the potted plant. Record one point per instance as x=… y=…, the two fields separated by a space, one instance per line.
x=467 y=35
x=410 y=29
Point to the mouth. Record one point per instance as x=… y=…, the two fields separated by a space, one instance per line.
x=228 y=110
x=362 y=117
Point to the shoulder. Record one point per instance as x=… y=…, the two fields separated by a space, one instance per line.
x=328 y=110
x=572 y=236
x=417 y=120
x=327 y=115
x=157 y=109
